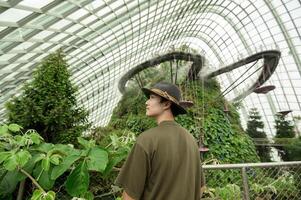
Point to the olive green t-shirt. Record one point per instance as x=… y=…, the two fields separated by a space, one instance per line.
x=164 y=164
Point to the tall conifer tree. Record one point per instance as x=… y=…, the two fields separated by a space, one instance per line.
x=255 y=130
x=48 y=103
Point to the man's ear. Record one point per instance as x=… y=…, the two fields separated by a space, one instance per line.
x=167 y=104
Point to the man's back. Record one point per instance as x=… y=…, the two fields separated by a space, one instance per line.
x=169 y=160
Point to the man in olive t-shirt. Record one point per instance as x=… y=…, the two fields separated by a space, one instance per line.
x=164 y=162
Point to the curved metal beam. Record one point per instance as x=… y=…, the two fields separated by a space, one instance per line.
x=195 y=68
x=271 y=59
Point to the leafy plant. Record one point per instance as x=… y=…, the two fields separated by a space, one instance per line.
x=118 y=143
x=293 y=150
x=282 y=187
x=26 y=155
x=230 y=191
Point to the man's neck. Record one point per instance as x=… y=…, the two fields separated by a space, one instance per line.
x=165 y=117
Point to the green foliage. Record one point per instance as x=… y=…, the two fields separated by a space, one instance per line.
x=8 y=182
x=255 y=125
x=48 y=103
x=284 y=127
x=255 y=130
x=40 y=195
x=222 y=131
x=230 y=191
x=78 y=181
x=268 y=184
x=226 y=144
x=282 y=187
x=27 y=155
x=118 y=143
x=293 y=150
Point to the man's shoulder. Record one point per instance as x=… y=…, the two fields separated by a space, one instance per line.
x=148 y=134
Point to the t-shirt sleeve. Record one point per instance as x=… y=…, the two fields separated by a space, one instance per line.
x=134 y=172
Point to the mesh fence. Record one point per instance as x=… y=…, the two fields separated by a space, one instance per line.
x=279 y=181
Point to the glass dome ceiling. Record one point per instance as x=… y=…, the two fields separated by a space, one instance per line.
x=104 y=39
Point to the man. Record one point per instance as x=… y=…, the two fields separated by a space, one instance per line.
x=164 y=162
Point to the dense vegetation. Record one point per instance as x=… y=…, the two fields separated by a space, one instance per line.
x=255 y=130
x=286 y=134
x=48 y=103
x=45 y=155
x=26 y=155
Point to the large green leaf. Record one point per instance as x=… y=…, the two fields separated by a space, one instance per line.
x=8 y=182
x=20 y=140
x=28 y=167
x=43 y=177
x=45 y=147
x=55 y=159
x=85 y=143
x=35 y=137
x=64 y=166
x=78 y=181
x=88 y=196
x=4 y=156
x=39 y=195
x=11 y=163
x=14 y=127
x=3 y=129
x=68 y=150
x=50 y=195
x=113 y=161
x=39 y=156
x=98 y=159
x=46 y=163
x=23 y=157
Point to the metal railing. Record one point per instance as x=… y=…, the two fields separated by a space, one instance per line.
x=248 y=181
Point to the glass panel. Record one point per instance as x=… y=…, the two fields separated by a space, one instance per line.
x=77 y=14
x=14 y=15
x=89 y=19
x=35 y=3
x=41 y=20
x=62 y=8
x=43 y=34
x=2 y=27
x=60 y=24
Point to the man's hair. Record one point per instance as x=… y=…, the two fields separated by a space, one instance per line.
x=172 y=107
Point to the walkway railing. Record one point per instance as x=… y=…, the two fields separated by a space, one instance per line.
x=259 y=181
